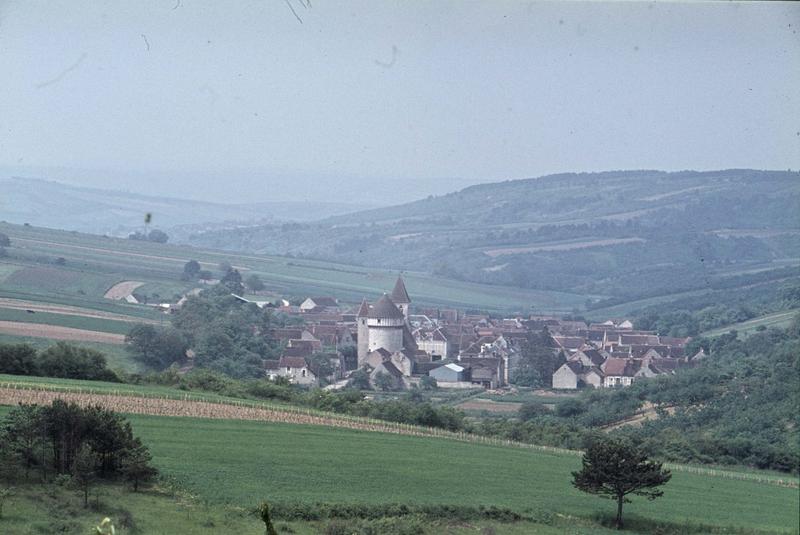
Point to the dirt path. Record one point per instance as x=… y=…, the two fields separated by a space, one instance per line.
x=647 y=413
x=121 y=290
x=67 y=310
x=56 y=332
x=561 y=246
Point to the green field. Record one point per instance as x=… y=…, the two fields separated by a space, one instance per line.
x=66 y=320
x=239 y=462
x=94 y=263
x=746 y=328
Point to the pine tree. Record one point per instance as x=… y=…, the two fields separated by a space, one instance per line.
x=83 y=473
x=615 y=468
x=135 y=464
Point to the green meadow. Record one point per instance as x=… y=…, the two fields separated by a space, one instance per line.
x=66 y=320
x=240 y=463
x=222 y=468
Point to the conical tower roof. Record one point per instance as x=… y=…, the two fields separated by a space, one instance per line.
x=363 y=310
x=399 y=294
x=384 y=308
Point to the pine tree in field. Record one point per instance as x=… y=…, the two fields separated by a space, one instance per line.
x=615 y=469
x=83 y=471
x=135 y=464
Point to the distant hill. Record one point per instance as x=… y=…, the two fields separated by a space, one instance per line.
x=53 y=204
x=624 y=234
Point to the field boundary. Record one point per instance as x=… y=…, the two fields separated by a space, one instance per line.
x=188 y=405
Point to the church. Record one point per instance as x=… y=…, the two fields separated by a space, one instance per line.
x=385 y=342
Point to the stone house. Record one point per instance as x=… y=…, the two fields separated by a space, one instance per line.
x=296 y=369
x=574 y=374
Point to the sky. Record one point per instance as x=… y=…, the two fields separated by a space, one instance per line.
x=382 y=101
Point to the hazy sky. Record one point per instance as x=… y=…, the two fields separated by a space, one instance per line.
x=160 y=96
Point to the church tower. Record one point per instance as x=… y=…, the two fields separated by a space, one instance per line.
x=400 y=297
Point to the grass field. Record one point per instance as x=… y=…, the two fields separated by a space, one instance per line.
x=65 y=320
x=95 y=263
x=746 y=328
x=239 y=462
x=34 y=510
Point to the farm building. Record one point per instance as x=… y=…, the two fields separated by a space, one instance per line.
x=449 y=373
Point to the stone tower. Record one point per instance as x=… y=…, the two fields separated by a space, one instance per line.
x=385 y=323
x=400 y=297
x=363 y=331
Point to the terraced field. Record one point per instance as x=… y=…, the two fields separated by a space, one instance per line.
x=93 y=264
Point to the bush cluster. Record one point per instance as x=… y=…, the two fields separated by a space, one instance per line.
x=61 y=360
x=362 y=511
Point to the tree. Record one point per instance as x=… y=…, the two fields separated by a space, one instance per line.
x=74 y=362
x=255 y=283
x=233 y=281
x=18 y=359
x=21 y=436
x=359 y=379
x=263 y=514
x=158 y=236
x=532 y=409
x=156 y=347
x=83 y=471
x=5 y=241
x=428 y=383
x=384 y=381
x=136 y=464
x=614 y=468
x=538 y=360
x=191 y=269
x=5 y=493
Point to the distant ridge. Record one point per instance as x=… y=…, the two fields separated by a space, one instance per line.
x=48 y=203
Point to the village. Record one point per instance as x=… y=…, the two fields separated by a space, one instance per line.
x=397 y=347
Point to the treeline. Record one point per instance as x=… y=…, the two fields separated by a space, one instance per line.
x=62 y=360
x=412 y=409
x=64 y=440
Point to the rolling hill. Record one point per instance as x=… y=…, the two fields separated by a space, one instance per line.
x=627 y=235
